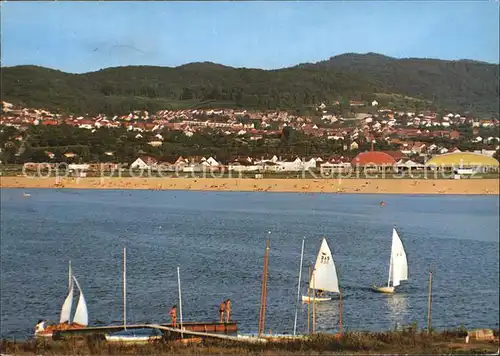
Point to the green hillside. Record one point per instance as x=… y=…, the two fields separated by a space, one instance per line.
x=454 y=85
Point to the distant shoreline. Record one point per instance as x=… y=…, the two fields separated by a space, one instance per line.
x=355 y=186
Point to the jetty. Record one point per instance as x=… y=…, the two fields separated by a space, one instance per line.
x=210 y=328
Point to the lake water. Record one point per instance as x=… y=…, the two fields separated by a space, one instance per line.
x=218 y=241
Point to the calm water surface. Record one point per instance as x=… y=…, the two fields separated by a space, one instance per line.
x=218 y=240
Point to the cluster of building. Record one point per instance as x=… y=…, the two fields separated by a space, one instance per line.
x=403 y=130
x=378 y=161
x=461 y=163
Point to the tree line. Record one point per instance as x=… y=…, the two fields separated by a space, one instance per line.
x=452 y=85
x=119 y=145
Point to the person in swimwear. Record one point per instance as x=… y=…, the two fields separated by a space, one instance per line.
x=173 y=315
x=222 y=310
x=228 y=310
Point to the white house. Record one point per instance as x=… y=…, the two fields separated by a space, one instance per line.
x=155 y=143
x=144 y=162
x=328 y=168
x=374 y=103
x=290 y=166
x=310 y=164
x=78 y=167
x=210 y=162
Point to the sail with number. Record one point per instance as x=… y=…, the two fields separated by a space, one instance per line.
x=398 y=269
x=324 y=275
x=81 y=316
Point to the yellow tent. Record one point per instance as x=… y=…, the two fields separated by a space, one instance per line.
x=462 y=159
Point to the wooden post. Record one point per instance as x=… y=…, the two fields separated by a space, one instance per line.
x=262 y=313
x=429 y=302
x=180 y=298
x=125 y=287
x=340 y=311
x=298 y=289
x=309 y=303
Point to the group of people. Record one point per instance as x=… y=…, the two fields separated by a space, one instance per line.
x=224 y=310
x=225 y=307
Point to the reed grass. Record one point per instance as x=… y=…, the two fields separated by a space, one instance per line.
x=409 y=340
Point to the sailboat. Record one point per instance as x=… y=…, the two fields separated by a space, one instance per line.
x=324 y=276
x=80 y=318
x=398 y=265
x=132 y=336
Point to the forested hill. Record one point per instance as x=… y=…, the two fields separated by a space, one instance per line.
x=466 y=86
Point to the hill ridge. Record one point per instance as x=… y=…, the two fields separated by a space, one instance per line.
x=464 y=85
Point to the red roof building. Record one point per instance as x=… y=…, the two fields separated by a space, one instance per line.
x=373 y=158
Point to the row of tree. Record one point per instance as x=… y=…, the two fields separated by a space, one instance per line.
x=38 y=143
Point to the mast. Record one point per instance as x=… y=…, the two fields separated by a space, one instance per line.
x=314 y=303
x=429 y=301
x=390 y=267
x=340 y=311
x=70 y=280
x=309 y=302
x=263 y=296
x=298 y=289
x=125 y=287
x=180 y=298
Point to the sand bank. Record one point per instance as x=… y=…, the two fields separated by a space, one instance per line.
x=367 y=186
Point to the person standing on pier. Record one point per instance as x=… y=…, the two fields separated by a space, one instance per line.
x=228 y=310
x=173 y=315
x=222 y=309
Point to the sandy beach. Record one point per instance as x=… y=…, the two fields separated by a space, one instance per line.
x=367 y=186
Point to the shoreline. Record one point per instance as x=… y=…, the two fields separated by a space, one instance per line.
x=409 y=341
x=342 y=186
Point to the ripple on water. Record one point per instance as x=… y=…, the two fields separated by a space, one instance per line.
x=218 y=240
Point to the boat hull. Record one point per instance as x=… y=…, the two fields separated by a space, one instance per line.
x=306 y=299
x=49 y=330
x=387 y=290
x=132 y=339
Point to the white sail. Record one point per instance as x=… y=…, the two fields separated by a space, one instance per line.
x=66 y=307
x=324 y=276
x=399 y=265
x=81 y=314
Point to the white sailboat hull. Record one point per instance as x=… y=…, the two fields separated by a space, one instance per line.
x=132 y=339
x=307 y=299
x=383 y=289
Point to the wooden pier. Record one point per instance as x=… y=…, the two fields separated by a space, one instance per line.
x=204 y=328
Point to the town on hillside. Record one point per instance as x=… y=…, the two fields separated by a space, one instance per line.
x=253 y=139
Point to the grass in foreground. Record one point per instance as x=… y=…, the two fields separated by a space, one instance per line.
x=409 y=341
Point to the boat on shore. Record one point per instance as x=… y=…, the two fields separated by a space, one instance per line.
x=80 y=318
x=398 y=266
x=135 y=336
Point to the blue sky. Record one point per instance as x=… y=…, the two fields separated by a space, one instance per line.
x=87 y=36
